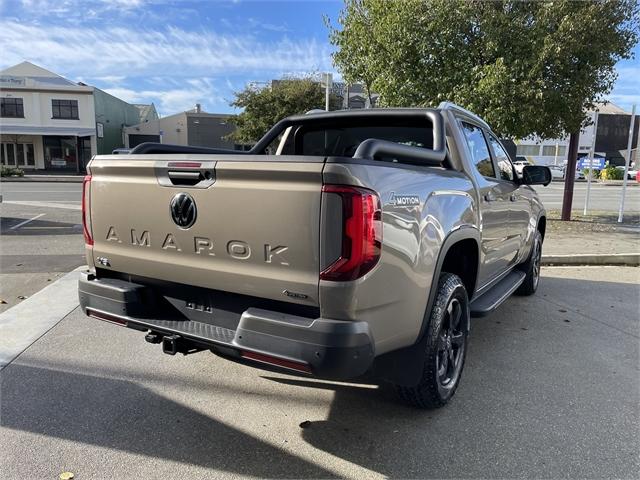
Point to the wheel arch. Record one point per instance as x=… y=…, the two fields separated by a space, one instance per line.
x=404 y=366
x=542 y=225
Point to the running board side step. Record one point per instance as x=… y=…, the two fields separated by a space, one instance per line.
x=493 y=298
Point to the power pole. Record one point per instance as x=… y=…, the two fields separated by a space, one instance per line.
x=570 y=175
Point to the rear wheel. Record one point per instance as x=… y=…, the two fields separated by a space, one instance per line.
x=532 y=268
x=446 y=347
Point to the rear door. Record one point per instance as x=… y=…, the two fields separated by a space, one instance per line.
x=255 y=230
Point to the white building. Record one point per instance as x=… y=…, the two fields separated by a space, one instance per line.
x=46 y=121
x=612 y=137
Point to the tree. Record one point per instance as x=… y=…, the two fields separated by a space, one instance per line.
x=528 y=68
x=266 y=105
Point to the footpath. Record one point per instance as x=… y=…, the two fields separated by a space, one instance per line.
x=594 y=240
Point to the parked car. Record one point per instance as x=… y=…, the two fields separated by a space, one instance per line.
x=578 y=173
x=632 y=173
x=363 y=246
x=519 y=165
x=557 y=172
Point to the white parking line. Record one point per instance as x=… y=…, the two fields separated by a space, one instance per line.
x=27 y=221
x=29 y=203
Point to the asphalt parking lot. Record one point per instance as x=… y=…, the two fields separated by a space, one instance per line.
x=550 y=390
x=39 y=244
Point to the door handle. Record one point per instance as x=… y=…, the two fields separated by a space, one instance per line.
x=489 y=197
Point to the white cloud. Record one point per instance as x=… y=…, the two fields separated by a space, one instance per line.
x=173 y=100
x=121 y=50
x=626 y=91
x=173 y=67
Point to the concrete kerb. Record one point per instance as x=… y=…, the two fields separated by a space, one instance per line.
x=22 y=325
x=588 y=259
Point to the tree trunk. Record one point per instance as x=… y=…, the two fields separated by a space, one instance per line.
x=570 y=175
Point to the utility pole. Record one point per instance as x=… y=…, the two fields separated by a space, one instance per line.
x=570 y=175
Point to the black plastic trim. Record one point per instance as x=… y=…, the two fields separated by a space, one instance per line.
x=496 y=295
x=332 y=348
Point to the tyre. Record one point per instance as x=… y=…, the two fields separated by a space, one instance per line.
x=445 y=347
x=532 y=268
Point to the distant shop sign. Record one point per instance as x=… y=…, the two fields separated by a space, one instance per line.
x=7 y=81
x=596 y=163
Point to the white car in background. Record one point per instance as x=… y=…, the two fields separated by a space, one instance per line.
x=632 y=174
x=557 y=172
x=519 y=165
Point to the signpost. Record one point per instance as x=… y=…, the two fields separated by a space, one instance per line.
x=626 y=165
x=328 y=82
x=593 y=146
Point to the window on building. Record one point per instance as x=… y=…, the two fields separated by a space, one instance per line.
x=11 y=107
x=525 y=150
x=505 y=166
x=550 y=150
x=479 y=150
x=17 y=154
x=65 y=109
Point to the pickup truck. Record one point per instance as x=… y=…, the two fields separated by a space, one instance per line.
x=343 y=245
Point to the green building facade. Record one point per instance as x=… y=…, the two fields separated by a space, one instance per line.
x=112 y=115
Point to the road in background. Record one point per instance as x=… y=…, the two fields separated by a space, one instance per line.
x=549 y=390
x=604 y=198
x=40 y=237
x=56 y=193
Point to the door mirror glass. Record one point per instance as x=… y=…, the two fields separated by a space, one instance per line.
x=536 y=175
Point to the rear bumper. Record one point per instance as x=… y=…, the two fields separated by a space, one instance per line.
x=321 y=347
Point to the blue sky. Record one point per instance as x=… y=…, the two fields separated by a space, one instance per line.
x=178 y=53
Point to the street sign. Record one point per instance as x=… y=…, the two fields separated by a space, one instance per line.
x=597 y=163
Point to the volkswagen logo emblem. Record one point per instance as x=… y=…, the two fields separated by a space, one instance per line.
x=183 y=210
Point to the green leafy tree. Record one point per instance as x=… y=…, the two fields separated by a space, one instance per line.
x=528 y=68
x=266 y=105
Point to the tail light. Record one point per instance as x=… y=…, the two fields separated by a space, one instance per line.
x=361 y=233
x=86 y=213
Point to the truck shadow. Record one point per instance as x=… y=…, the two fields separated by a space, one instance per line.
x=524 y=361
x=63 y=405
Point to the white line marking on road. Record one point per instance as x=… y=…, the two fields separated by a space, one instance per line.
x=26 y=221
x=67 y=206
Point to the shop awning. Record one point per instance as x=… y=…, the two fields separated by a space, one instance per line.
x=60 y=131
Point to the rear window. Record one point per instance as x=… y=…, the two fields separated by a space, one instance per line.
x=342 y=141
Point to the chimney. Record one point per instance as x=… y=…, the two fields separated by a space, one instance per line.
x=198 y=108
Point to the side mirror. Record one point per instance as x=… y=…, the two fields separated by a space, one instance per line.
x=536 y=175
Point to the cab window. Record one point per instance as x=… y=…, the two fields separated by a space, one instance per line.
x=505 y=166
x=479 y=150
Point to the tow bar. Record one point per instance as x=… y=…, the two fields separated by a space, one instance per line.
x=172 y=344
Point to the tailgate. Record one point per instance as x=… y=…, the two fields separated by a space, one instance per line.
x=255 y=229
